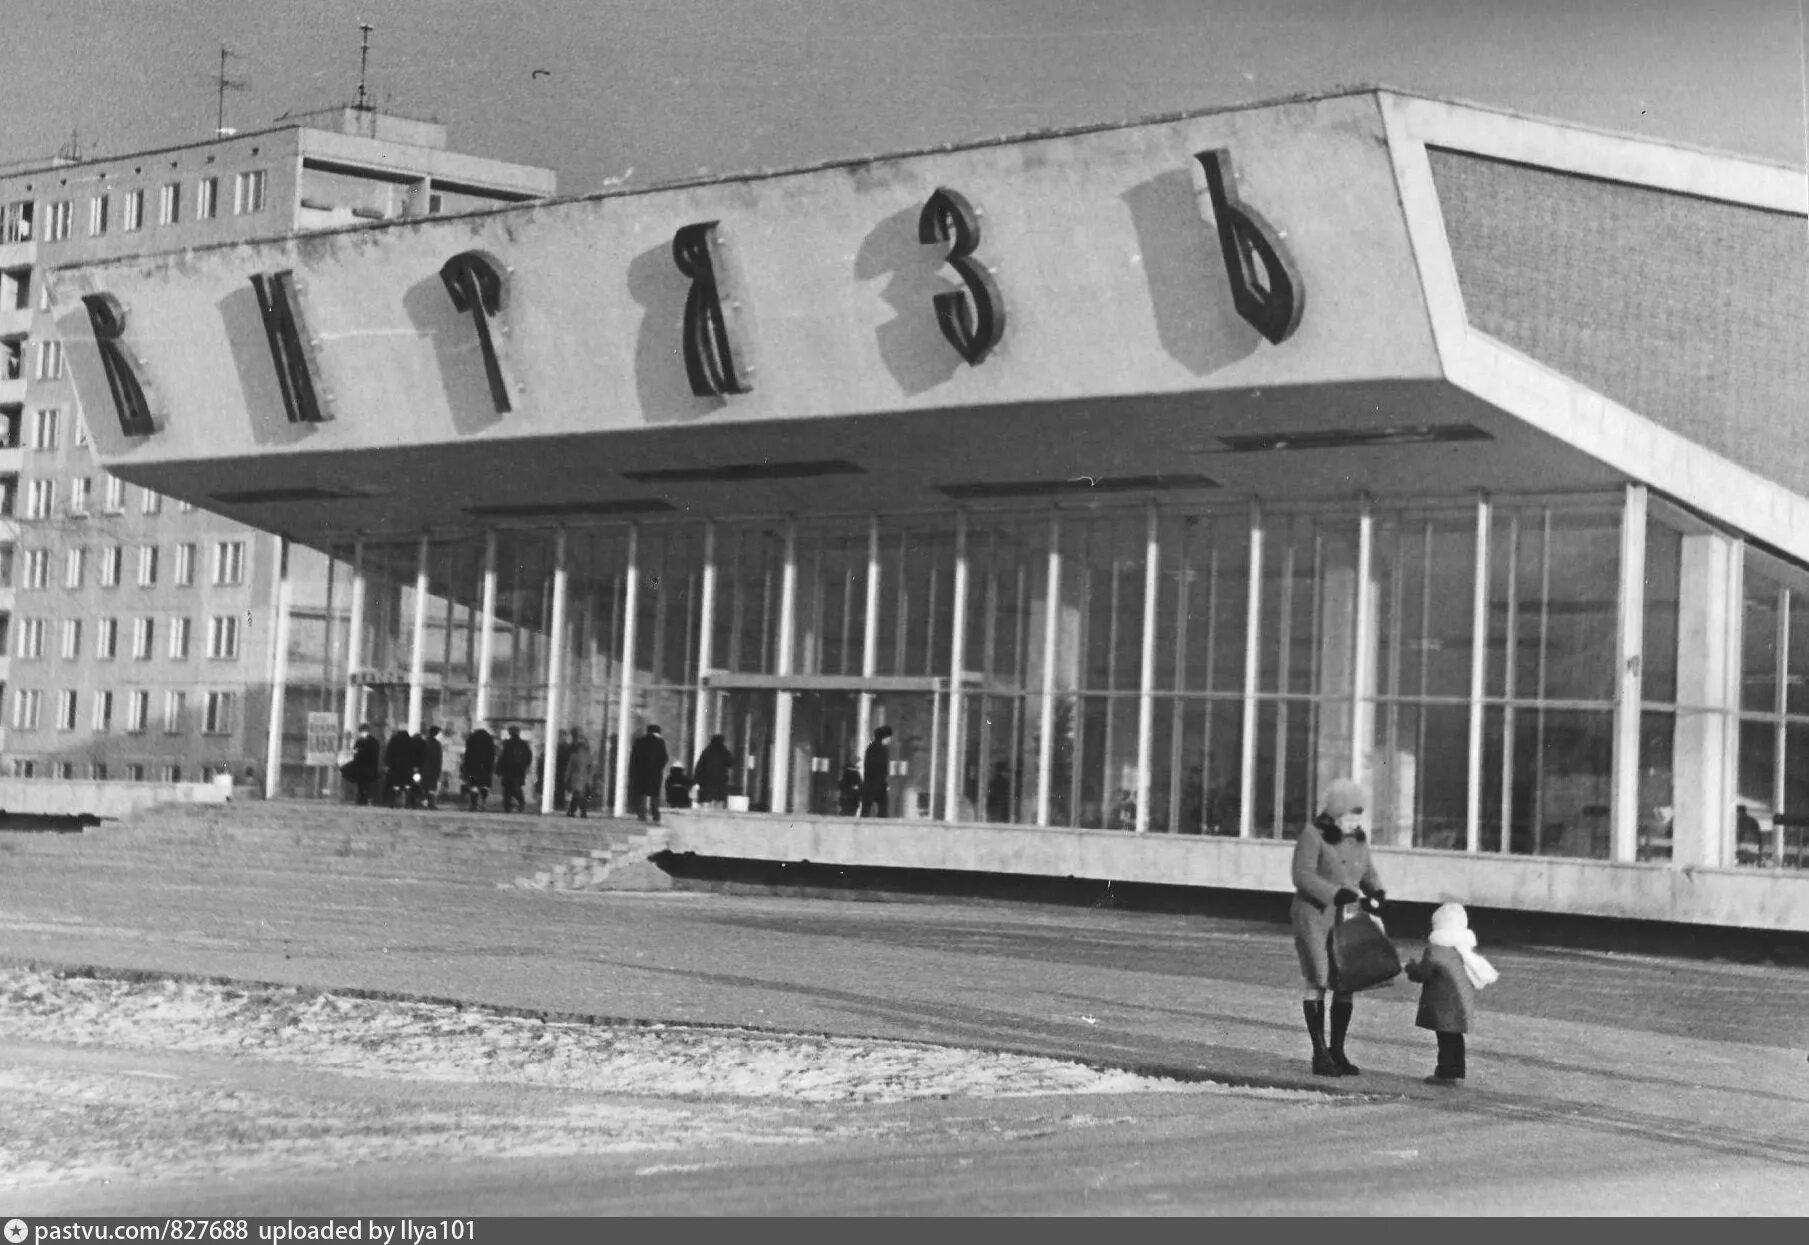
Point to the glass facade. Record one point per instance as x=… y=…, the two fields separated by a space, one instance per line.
x=1145 y=669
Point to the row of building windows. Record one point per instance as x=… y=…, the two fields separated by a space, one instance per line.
x=46 y=356
x=250 y=194
x=100 y=771
x=222 y=637
x=41 y=498
x=135 y=705
x=228 y=565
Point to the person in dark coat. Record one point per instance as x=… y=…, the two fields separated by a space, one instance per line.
x=365 y=765
x=714 y=765
x=1331 y=867
x=848 y=790
x=647 y=762
x=1450 y=974
x=478 y=768
x=512 y=770
x=875 y=766
x=400 y=757
x=433 y=764
x=678 y=788
x=562 y=754
x=575 y=778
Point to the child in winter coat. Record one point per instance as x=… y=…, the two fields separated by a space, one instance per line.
x=1450 y=974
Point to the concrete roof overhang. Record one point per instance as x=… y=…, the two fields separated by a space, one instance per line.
x=1125 y=358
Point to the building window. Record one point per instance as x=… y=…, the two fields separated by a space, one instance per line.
x=12 y=359
x=63 y=771
x=229 y=562
x=216 y=718
x=103 y=712
x=27 y=704
x=72 y=638
x=106 y=638
x=66 y=710
x=25 y=769
x=15 y=222
x=169 y=204
x=59 y=220
x=111 y=557
x=44 y=428
x=116 y=495
x=185 y=565
x=134 y=769
x=31 y=637
x=75 y=566
x=132 y=215
x=207 y=198
x=147 y=566
x=223 y=636
x=175 y=706
x=97 y=770
x=179 y=628
x=138 y=709
x=81 y=494
x=40 y=499
x=144 y=631
x=150 y=501
x=100 y=209
x=185 y=506
x=248 y=192
x=172 y=772
x=37 y=568
x=49 y=366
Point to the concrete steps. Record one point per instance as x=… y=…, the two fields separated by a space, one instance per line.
x=621 y=866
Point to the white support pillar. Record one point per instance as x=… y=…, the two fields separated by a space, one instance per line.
x=631 y=608
x=354 y=647
x=486 y=636
x=1705 y=742
x=555 y=662
x=1629 y=691
x=782 y=664
x=863 y=722
x=279 y=674
x=1253 y=621
x=1479 y=669
x=1363 y=659
x=1052 y=605
x=957 y=658
x=702 y=719
x=417 y=650
x=1146 y=672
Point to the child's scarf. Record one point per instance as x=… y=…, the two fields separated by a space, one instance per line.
x=1450 y=928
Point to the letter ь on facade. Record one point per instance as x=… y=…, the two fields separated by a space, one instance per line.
x=131 y=402
x=1265 y=285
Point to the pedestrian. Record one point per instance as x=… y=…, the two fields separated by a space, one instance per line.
x=678 y=788
x=478 y=767
x=714 y=765
x=875 y=766
x=433 y=764
x=562 y=753
x=399 y=762
x=512 y=770
x=1331 y=867
x=1450 y=973
x=848 y=790
x=575 y=778
x=647 y=762
x=364 y=766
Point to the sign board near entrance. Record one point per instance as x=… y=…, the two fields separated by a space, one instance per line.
x=323 y=739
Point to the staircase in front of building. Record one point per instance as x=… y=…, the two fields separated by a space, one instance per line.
x=305 y=837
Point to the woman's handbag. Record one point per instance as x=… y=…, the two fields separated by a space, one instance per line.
x=1363 y=956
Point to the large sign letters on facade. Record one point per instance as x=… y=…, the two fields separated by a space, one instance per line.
x=972 y=319
x=718 y=337
x=1265 y=287
x=107 y=316
x=291 y=347
x=477 y=281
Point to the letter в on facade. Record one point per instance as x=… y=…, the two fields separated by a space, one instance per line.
x=291 y=347
x=1266 y=287
x=973 y=320
x=718 y=316
x=107 y=317
x=477 y=282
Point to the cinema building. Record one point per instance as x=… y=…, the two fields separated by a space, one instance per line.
x=1142 y=478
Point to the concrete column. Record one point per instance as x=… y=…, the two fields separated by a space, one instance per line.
x=354 y=646
x=1629 y=683
x=863 y=721
x=417 y=649
x=1705 y=740
x=555 y=662
x=486 y=637
x=957 y=658
x=1146 y=671
x=1363 y=659
x=279 y=674
x=1253 y=619
x=1052 y=605
x=782 y=666
x=1479 y=669
x=631 y=608
x=702 y=719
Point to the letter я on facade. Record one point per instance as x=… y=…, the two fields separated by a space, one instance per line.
x=1143 y=479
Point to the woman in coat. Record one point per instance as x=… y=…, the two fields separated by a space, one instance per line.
x=1331 y=867
x=711 y=773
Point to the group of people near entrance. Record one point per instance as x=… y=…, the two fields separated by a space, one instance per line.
x=1334 y=878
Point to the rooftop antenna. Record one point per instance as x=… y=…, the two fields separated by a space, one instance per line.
x=224 y=84
x=362 y=103
x=72 y=150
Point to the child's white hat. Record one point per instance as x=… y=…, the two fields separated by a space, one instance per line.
x=1450 y=916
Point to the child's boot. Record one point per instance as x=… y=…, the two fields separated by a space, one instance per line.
x=1341 y=1009
x=1315 y=1023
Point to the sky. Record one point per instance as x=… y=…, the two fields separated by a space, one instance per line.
x=637 y=92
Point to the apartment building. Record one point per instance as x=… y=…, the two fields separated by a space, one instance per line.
x=136 y=629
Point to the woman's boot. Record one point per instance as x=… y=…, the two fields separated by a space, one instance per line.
x=1315 y=1023
x=1341 y=1026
